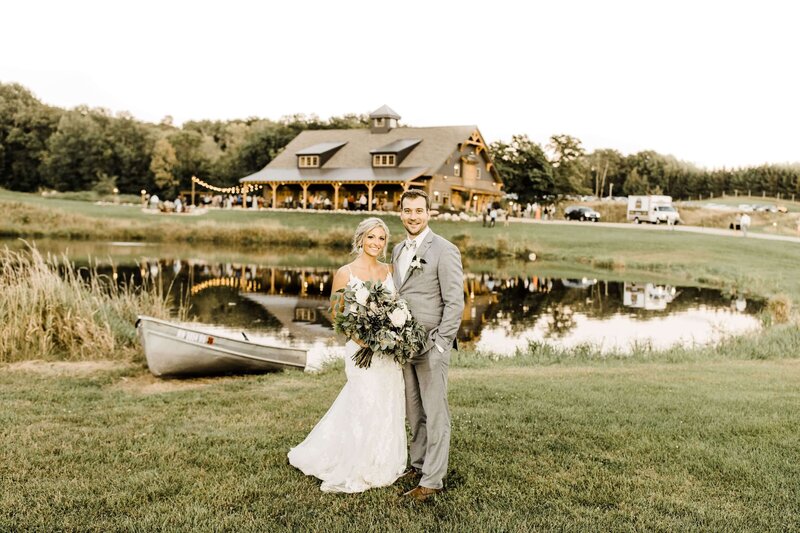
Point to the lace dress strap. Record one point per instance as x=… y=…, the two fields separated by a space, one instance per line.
x=353 y=277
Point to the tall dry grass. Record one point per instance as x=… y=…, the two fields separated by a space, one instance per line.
x=20 y=220
x=52 y=310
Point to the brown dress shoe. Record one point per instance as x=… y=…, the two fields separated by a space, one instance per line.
x=421 y=493
x=411 y=472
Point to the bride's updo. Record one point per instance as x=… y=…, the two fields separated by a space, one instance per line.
x=367 y=225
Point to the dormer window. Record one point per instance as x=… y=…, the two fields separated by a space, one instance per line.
x=384 y=160
x=457 y=170
x=392 y=154
x=317 y=155
x=308 y=161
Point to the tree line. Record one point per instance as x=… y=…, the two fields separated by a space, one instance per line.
x=564 y=167
x=46 y=147
x=84 y=148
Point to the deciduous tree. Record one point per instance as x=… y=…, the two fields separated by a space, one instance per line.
x=524 y=168
x=162 y=165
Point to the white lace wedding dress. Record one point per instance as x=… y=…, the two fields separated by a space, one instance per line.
x=360 y=443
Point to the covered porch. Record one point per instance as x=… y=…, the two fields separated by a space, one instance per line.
x=351 y=189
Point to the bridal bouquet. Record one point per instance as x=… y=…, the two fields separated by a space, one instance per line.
x=381 y=320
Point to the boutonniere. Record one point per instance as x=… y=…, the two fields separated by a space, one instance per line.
x=416 y=263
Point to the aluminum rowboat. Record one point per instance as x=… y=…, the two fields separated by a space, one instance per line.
x=176 y=350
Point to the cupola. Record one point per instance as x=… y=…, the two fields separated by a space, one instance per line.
x=383 y=119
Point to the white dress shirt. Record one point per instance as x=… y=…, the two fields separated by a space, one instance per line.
x=408 y=253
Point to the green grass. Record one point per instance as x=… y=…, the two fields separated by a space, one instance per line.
x=701 y=446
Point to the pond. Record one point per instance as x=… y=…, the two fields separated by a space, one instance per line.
x=274 y=298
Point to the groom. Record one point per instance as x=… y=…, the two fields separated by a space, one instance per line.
x=428 y=272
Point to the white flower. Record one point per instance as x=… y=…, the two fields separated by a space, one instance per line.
x=362 y=293
x=398 y=317
x=416 y=263
x=353 y=308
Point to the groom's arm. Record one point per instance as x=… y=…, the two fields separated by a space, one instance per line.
x=451 y=284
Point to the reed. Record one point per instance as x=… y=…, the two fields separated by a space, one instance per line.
x=53 y=310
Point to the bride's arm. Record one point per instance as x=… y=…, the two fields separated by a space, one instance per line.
x=340 y=280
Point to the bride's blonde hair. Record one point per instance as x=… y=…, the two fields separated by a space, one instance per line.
x=367 y=225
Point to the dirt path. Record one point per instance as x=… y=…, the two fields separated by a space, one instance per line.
x=661 y=227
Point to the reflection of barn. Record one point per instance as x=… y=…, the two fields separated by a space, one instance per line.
x=303 y=318
x=271 y=280
x=298 y=299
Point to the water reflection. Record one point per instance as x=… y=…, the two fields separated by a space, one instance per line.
x=610 y=315
x=502 y=313
x=648 y=296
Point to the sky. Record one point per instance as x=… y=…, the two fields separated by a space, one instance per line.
x=714 y=83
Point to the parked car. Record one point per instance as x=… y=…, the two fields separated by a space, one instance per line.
x=581 y=212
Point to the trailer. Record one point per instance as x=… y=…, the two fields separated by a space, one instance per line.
x=655 y=209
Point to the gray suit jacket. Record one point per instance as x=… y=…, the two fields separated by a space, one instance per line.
x=434 y=292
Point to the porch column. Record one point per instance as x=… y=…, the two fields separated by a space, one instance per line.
x=370 y=186
x=336 y=186
x=274 y=194
x=305 y=185
x=244 y=196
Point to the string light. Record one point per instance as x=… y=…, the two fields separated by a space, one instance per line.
x=235 y=283
x=227 y=190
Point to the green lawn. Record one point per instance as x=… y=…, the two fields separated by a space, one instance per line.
x=703 y=446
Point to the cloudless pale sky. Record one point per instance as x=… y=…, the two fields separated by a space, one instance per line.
x=710 y=82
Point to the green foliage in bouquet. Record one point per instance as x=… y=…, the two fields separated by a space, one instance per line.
x=368 y=311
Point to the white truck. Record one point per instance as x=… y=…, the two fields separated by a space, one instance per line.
x=654 y=209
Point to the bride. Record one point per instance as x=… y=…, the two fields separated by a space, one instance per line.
x=360 y=443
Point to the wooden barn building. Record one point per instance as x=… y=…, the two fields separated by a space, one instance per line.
x=334 y=169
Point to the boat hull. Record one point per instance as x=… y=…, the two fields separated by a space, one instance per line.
x=175 y=350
